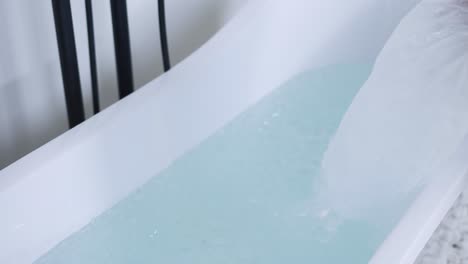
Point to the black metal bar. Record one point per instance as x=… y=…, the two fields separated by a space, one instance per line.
x=122 y=47
x=163 y=35
x=68 y=61
x=92 y=56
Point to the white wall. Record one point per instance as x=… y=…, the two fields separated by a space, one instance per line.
x=32 y=107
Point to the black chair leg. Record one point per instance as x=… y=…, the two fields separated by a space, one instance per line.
x=122 y=47
x=163 y=35
x=68 y=61
x=92 y=56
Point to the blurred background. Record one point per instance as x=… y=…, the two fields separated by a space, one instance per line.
x=32 y=105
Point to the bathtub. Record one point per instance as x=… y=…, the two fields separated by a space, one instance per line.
x=58 y=189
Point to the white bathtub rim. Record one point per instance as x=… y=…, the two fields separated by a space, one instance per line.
x=404 y=244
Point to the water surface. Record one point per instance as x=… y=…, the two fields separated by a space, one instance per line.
x=245 y=195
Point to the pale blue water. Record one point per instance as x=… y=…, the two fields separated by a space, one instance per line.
x=243 y=195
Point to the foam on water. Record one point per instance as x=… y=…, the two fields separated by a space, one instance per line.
x=243 y=195
x=408 y=118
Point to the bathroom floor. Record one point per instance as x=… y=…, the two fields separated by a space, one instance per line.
x=449 y=244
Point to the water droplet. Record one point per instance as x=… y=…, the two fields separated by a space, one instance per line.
x=154 y=234
x=324 y=213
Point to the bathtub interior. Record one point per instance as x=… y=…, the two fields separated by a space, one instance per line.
x=58 y=189
x=245 y=190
